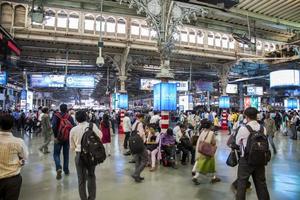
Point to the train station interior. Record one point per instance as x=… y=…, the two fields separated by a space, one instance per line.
x=173 y=62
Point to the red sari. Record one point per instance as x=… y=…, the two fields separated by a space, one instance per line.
x=106 y=137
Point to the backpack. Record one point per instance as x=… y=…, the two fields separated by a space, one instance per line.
x=92 y=149
x=257 y=152
x=136 y=143
x=64 y=127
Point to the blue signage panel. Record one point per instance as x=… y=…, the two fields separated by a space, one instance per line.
x=165 y=96
x=46 y=81
x=23 y=95
x=292 y=103
x=224 y=102
x=3 y=78
x=123 y=101
x=80 y=81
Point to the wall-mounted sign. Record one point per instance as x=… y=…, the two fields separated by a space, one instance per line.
x=251 y=90
x=232 y=89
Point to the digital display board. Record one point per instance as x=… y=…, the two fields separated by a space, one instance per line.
x=285 y=78
x=47 y=81
x=3 y=78
x=251 y=102
x=292 y=103
x=80 y=81
x=224 y=102
x=232 y=89
x=147 y=84
x=165 y=96
x=204 y=86
x=252 y=90
x=123 y=101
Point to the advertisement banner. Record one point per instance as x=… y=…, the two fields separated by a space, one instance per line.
x=251 y=102
x=147 y=84
x=224 y=102
x=29 y=101
x=292 y=103
x=202 y=86
x=46 y=81
x=251 y=90
x=165 y=97
x=80 y=81
x=232 y=89
x=3 y=78
x=123 y=101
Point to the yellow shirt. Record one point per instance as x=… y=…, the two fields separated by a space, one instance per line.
x=12 y=151
x=216 y=121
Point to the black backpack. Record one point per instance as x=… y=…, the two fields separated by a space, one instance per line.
x=257 y=152
x=92 y=149
x=136 y=143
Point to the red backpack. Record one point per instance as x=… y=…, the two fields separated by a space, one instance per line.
x=64 y=127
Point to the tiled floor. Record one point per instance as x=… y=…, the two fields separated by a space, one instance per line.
x=114 y=181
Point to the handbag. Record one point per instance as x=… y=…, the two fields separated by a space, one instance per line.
x=232 y=159
x=206 y=148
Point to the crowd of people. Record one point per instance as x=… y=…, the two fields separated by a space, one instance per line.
x=192 y=139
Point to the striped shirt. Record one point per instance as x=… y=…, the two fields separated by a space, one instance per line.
x=12 y=151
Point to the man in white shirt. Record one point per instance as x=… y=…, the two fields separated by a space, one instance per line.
x=127 y=129
x=84 y=173
x=13 y=153
x=141 y=159
x=244 y=169
x=155 y=118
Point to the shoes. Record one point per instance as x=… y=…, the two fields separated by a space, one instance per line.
x=215 y=180
x=152 y=169
x=46 y=152
x=127 y=154
x=136 y=179
x=193 y=173
x=142 y=178
x=132 y=161
x=196 y=182
x=67 y=173
x=183 y=163
x=58 y=174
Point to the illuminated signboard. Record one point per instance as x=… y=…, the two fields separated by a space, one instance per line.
x=251 y=102
x=255 y=91
x=147 y=84
x=47 y=81
x=123 y=101
x=204 y=86
x=80 y=81
x=285 y=78
x=292 y=103
x=224 y=102
x=165 y=98
x=232 y=89
x=3 y=78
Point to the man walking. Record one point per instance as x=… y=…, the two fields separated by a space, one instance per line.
x=127 y=130
x=85 y=173
x=140 y=158
x=62 y=123
x=13 y=153
x=249 y=164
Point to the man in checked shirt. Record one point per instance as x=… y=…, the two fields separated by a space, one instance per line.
x=13 y=153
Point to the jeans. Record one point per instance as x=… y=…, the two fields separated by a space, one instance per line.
x=141 y=160
x=10 y=188
x=85 y=174
x=270 y=138
x=56 y=155
x=259 y=179
x=127 y=135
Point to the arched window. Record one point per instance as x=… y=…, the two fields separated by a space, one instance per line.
x=153 y=33
x=192 y=36
x=111 y=25
x=6 y=15
x=98 y=20
x=62 y=19
x=259 y=45
x=231 y=43
x=121 y=26
x=210 y=39
x=144 y=30
x=73 y=21
x=200 y=37
x=225 y=41
x=184 y=36
x=135 y=28
x=218 y=40
x=20 y=13
x=49 y=19
x=267 y=46
x=89 y=22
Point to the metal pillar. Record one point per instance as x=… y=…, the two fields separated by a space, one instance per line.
x=241 y=95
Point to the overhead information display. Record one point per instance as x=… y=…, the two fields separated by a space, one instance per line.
x=47 y=81
x=80 y=81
